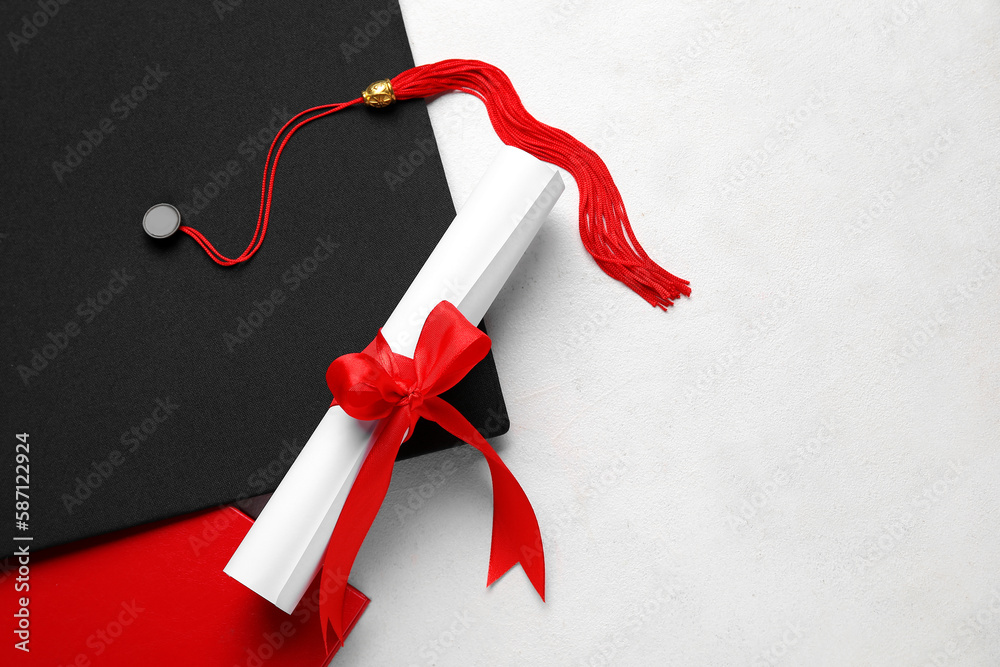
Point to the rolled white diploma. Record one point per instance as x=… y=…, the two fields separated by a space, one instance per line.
x=282 y=553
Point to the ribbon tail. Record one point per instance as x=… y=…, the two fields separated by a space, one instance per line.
x=516 y=537
x=360 y=509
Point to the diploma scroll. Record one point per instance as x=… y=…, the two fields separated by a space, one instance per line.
x=282 y=553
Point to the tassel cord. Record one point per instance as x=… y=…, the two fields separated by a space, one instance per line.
x=605 y=228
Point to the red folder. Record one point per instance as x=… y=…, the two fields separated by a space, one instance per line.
x=157 y=596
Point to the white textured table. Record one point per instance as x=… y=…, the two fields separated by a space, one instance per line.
x=798 y=464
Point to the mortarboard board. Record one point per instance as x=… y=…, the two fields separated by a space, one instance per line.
x=152 y=383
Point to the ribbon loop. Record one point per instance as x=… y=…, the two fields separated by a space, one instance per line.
x=448 y=348
x=362 y=386
x=380 y=384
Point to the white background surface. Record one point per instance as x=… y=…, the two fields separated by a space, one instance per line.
x=795 y=466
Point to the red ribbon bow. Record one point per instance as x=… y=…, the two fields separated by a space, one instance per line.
x=380 y=384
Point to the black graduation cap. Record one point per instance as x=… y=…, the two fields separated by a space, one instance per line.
x=150 y=382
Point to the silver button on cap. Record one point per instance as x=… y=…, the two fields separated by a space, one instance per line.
x=161 y=221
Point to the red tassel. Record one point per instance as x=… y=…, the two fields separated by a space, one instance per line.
x=604 y=224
